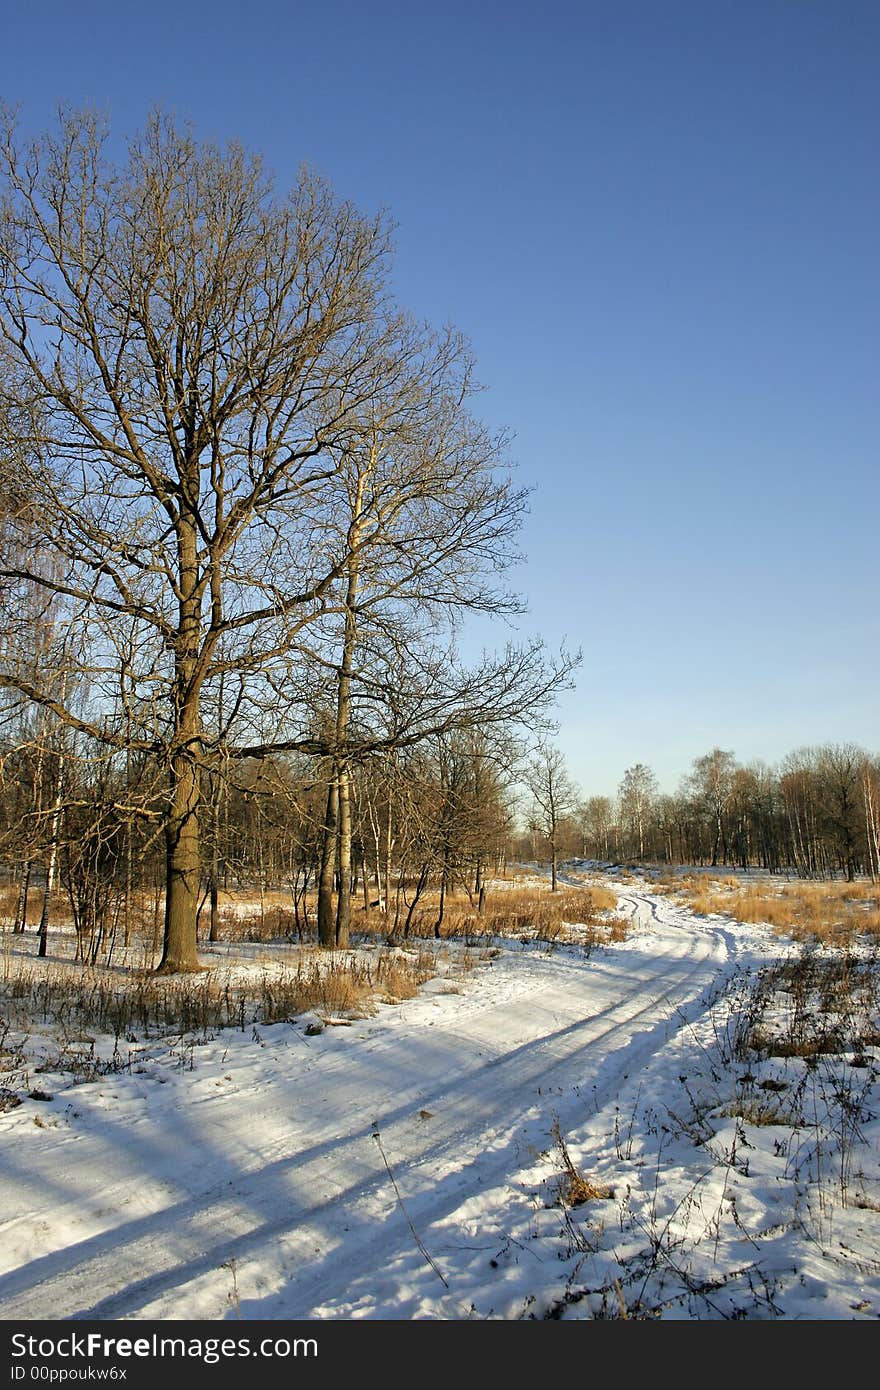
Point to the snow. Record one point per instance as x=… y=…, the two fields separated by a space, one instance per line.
x=410 y=1165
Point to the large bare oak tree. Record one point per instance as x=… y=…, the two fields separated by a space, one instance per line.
x=255 y=487
x=184 y=356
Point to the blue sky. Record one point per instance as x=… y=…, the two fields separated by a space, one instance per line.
x=657 y=221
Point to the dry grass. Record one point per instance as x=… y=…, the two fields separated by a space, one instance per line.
x=577 y=915
x=125 y=1003
x=603 y=899
x=831 y=912
x=276 y=923
x=759 y=1111
x=825 y=1044
x=398 y=979
x=526 y=910
x=819 y=1003
x=59 y=910
x=514 y=907
x=126 y=999
x=618 y=928
x=248 y=899
x=575 y=1188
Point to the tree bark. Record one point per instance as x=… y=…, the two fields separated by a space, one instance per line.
x=326 y=916
x=343 y=899
x=182 y=870
x=23 y=891
x=52 y=863
x=182 y=864
x=338 y=825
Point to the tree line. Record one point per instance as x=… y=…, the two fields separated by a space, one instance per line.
x=425 y=821
x=816 y=814
x=433 y=819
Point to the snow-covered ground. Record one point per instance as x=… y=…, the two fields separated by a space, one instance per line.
x=413 y=1165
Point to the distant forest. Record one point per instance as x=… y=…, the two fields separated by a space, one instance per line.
x=816 y=814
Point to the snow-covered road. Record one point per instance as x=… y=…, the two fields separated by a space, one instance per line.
x=255 y=1184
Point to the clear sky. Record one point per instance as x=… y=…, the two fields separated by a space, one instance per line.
x=658 y=222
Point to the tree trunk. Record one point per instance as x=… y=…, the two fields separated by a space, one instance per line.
x=343 y=901
x=374 y=826
x=365 y=884
x=872 y=825
x=326 y=916
x=23 y=890
x=182 y=866
x=129 y=856
x=339 y=824
x=444 y=888
x=420 y=888
x=21 y=920
x=261 y=862
x=214 y=929
x=182 y=869
x=387 y=848
x=52 y=864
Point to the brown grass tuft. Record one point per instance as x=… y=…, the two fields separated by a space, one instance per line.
x=575 y=1188
x=760 y=1112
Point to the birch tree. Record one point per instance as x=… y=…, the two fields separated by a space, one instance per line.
x=553 y=796
x=636 y=795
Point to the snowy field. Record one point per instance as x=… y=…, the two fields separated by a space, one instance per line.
x=430 y=1161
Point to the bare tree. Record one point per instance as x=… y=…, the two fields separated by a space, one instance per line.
x=184 y=361
x=426 y=517
x=636 y=796
x=871 y=799
x=840 y=767
x=597 y=815
x=553 y=796
x=711 y=784
x=799 y=791
x=250 y=471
